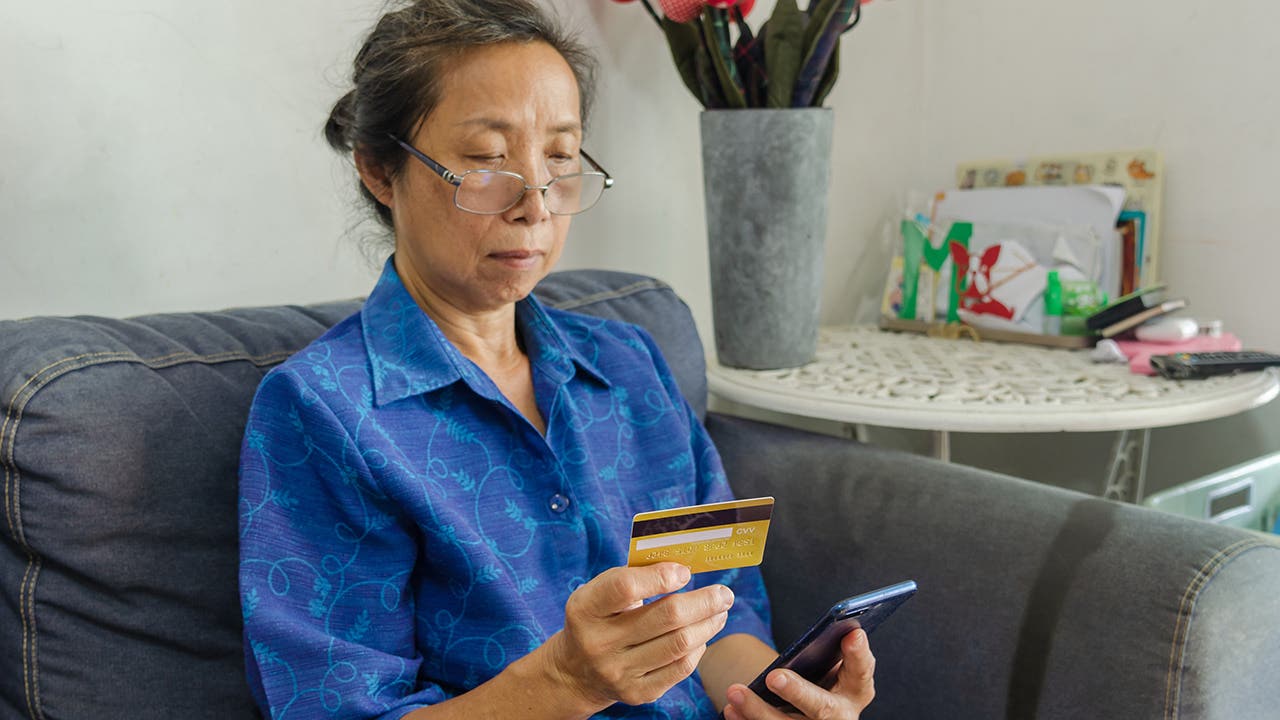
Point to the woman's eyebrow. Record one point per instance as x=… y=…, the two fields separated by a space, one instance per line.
x=571 y=127
x=488 y=123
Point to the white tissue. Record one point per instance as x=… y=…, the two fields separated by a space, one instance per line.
x=1108 y=351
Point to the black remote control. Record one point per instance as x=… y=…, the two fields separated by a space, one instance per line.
x=1196 y=366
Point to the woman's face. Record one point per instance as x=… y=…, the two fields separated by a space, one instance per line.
x=511 y=107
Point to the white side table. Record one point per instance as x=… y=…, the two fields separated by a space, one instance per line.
x=867 y=376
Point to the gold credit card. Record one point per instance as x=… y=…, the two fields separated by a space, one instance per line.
x=715 y=536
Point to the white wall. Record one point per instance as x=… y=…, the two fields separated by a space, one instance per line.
x=165 y=155
x=928 y=84
x=1195 y=80
x=647 y=130
x=1009 y=78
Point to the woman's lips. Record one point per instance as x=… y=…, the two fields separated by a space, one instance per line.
x=522 y=259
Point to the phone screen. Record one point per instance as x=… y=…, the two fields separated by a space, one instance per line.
x=817 y=651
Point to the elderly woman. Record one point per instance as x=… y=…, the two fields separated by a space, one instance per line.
x=436 y=494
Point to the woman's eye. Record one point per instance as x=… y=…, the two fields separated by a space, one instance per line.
x=485 y=158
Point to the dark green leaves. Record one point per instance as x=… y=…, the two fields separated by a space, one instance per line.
x=793 y=61
x=821 y=41
x=715 y=36
x=782 y=51
x=685 y=44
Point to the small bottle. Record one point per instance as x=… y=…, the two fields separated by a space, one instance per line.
x=1053 y=305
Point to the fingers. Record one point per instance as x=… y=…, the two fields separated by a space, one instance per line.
x=612 y=648
x=668 y=630
x=678 y=669
x=746 y=705
x=856 y=679
x=622 y=588
x=679 y=642
x=852 y=693
x=679 y=611
x=809 y=701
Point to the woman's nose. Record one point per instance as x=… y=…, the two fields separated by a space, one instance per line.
x=533 y=204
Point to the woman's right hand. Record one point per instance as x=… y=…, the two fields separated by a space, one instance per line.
x=614 y=648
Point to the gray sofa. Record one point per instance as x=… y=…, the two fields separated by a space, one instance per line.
x=119 y=443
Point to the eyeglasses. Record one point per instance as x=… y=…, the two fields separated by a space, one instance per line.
x=491 y=192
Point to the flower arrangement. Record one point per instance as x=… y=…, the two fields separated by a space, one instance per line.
x=791 y=62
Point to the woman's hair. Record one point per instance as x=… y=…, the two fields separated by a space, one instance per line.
x=397 y=73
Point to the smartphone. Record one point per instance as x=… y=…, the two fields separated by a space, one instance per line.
x=816 y=653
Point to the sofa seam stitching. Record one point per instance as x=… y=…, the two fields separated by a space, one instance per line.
x=1182 y=623
x=30 y=641
x=632 y=289
x=14 y=416
x=13 y=515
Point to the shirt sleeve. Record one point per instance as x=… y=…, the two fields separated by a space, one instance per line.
x=325 y=565
x=750 y=613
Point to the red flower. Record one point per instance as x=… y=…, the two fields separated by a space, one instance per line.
x=682 y=10
x=722 y=61
x=743 y=5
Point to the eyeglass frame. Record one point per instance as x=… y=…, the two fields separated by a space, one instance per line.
x=455 y=179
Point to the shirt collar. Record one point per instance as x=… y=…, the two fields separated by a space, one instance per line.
x=409 y=355
x=548 y=346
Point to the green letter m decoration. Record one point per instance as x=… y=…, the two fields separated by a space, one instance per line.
x=916 y=249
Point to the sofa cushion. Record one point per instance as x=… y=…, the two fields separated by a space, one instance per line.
x=119 y=445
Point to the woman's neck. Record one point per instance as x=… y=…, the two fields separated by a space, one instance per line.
x=487 y=338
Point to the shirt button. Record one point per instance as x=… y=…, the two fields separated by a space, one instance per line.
x=558 y=503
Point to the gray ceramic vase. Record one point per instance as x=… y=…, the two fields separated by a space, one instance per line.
x=766 y=174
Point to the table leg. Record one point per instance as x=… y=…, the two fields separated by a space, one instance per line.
x=942 y=445
x=860 y=433
x=1128 y=467
x=855 y=431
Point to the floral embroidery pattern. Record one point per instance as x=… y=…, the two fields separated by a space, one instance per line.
x=406 y=533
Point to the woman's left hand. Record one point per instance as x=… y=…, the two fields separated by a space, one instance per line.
x=848 y=697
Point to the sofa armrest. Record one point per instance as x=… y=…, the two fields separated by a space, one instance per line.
x=1034 y=601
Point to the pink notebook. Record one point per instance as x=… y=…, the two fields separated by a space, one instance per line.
x=1139 y=352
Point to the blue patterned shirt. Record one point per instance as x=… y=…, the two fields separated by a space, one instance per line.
x=406 y=533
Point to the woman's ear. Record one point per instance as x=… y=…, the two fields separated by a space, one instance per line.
x=375 y=179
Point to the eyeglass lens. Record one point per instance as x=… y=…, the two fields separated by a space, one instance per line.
x=491 y=192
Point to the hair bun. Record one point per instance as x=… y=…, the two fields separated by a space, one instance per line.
x=337 y=129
